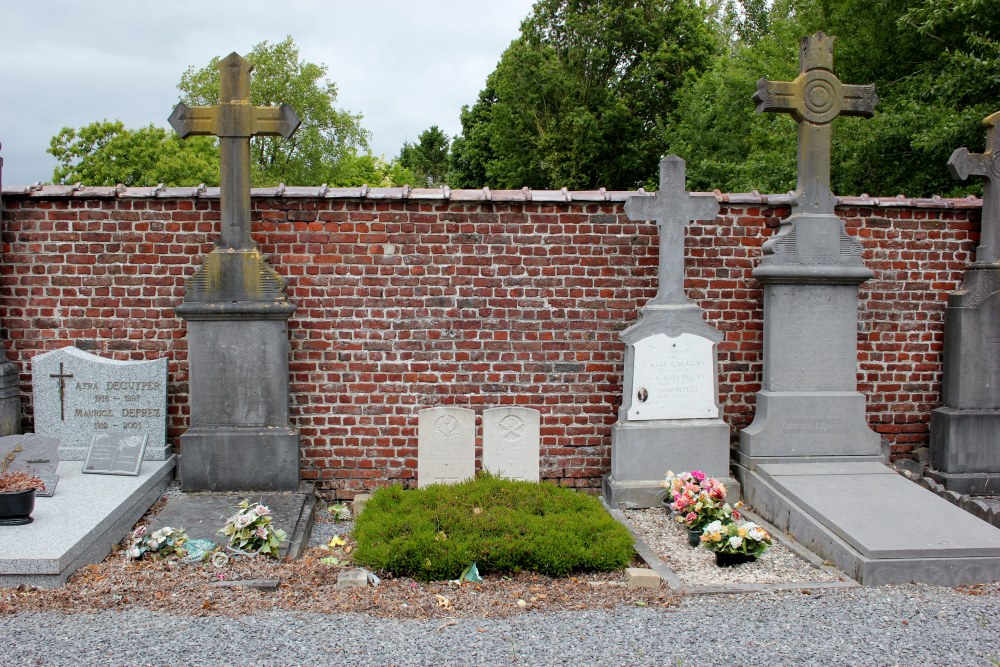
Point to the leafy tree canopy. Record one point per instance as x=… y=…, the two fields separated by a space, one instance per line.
x=577 y=99
x=428 y=158
x=330 y=145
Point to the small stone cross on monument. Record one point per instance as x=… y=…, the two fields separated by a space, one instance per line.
x=963 y=164
x=814 y=99
x=672 y=208
x=234 y=121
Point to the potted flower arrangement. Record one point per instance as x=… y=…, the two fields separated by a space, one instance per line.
x=250 y=531
x=734 y=542
x=17 y=492
x=697 y=501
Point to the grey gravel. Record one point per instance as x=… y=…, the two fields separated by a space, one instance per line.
x=897 y=625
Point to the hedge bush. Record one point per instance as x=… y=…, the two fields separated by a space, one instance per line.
x=433 y=533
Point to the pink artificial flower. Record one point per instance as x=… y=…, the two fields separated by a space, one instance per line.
x=698 y=475
x=262 y=510
x=691 y=516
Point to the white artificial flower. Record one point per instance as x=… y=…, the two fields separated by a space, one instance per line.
x=735 y=541
x=262 y=510
x=755 y=533
x=714 y=527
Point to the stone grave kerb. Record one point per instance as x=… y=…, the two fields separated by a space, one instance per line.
x=237 y=316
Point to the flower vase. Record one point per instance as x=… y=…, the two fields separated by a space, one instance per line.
x=694 y=536
x=15 y=508
x=667 y=501
x=732 y=560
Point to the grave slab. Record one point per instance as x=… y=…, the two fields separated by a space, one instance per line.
x=446 y=445
x=201 y=515
x=511 y=447
x=77 y=394
x=875 y=525
x=79 y=524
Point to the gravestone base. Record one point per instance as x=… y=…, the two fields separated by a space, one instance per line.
x=810 y=423
x=85 y=517
x=643 y=452
x=965 y=450
x=914 y=536
x=239 y=459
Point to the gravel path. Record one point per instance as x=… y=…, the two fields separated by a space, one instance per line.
x=897 y=625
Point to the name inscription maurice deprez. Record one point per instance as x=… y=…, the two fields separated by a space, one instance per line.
x=107 y=403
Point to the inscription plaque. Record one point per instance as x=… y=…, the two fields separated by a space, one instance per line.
x=673 y=378
x=78 y=394
x=115 y=454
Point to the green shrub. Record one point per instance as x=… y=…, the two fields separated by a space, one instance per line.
x=504 y=526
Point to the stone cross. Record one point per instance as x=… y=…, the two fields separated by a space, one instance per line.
x=814 y=99
x=234 y=121
x=963 y=164
x=62 y=376
x=672 y=208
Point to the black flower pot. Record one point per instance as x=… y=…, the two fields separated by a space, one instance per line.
x=732 y=560
x=694 y=536
x=15 y=508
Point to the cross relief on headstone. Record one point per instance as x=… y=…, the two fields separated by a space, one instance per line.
x=814 y=99
x=964 y=164
x=673 y=209
x=234 y=121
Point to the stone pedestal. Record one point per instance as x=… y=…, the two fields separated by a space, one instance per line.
x=239 y=438
x=965 y=432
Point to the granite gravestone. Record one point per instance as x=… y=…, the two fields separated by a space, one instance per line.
x=965 y=431
x=669 y=417
x=808 y=463
x=446 y=445
x=236 y=310
x=511 y=442
x=115 y=454
x=77 y=394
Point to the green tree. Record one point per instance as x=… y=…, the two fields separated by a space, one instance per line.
x=576 y=101
x=428 y=158
x=327 y=134
x=106 y=153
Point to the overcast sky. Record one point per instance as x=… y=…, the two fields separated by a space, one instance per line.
x=403 y=65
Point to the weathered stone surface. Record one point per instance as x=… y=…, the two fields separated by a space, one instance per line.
x=965 y=431
x=511 y=442
x=78 y=394
x=352 y=579
x=446 y=445
x=359 y=503
x=38 y=453
x=641 y=577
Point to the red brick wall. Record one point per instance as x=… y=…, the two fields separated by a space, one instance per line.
x=407 y=304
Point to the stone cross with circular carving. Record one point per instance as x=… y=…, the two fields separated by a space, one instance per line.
x=814 y=99
x=963 y=164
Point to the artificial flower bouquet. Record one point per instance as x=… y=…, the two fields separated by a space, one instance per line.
x=731 y=537
x=250 y=531
x=158 y=544
x=698 y=500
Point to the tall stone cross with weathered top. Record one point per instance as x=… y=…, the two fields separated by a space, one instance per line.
x=963 y=164
x=814 y=99
x=672 y=208
x=234 y=121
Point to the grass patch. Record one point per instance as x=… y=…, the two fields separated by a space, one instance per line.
x=433 y=533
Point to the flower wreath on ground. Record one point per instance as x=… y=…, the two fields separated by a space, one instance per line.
x=250 y=531
x=698 y=500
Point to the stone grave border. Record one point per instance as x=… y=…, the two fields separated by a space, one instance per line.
x=673 y=582
x=970 y=504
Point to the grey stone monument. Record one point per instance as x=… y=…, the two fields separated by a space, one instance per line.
x=78 y=394
x=237 y=317
x=809 y=463
x=446 y=445
x=511 y=442
x=10 y=374
x=669 y=417
x=965 y=431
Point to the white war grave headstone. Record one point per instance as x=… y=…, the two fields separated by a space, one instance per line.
x=511 y=446
x=78 y=394
x=669 y=417
x=446 y=445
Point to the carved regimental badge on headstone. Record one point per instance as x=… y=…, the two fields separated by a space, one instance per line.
x=446 y=445
x=78 y=394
